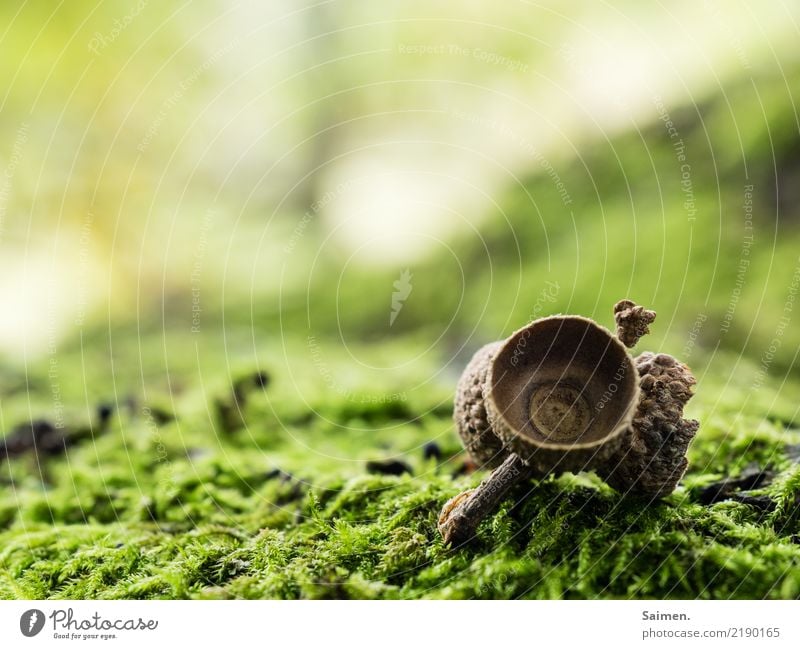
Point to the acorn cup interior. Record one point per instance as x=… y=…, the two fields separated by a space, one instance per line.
x=564 y=381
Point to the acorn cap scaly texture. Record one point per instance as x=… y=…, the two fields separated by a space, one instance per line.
x=656 y=460
x=469 y=413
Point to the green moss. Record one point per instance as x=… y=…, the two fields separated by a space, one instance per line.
x=182 y=509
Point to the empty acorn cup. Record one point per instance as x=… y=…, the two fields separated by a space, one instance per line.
x=563 y=394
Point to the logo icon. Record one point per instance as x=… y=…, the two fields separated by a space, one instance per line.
x=31 y=622
x=402 y=289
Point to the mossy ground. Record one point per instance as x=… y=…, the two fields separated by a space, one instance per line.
x=192 y=507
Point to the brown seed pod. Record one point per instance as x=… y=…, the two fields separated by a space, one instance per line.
x=564 y=394
x=656 y=459
x=469 y=413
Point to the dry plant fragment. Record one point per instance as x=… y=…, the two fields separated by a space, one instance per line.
x=462 y=514
x=632 y=321
x=656 y=460
x=563 y=394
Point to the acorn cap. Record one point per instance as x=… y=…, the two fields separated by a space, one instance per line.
x=561 y=393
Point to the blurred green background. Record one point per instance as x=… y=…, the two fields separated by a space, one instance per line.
x=354 y=197
x=272 y=171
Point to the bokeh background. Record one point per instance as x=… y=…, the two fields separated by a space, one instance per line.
x=354 y=197
x=280 y=167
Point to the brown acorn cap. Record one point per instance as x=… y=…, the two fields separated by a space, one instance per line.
x=561 y=393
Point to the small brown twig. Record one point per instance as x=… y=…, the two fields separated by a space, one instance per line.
x=461 y=515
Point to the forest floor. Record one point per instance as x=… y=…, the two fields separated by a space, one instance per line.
x=194 y=489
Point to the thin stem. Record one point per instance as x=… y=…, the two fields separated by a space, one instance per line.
x=462 y=515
